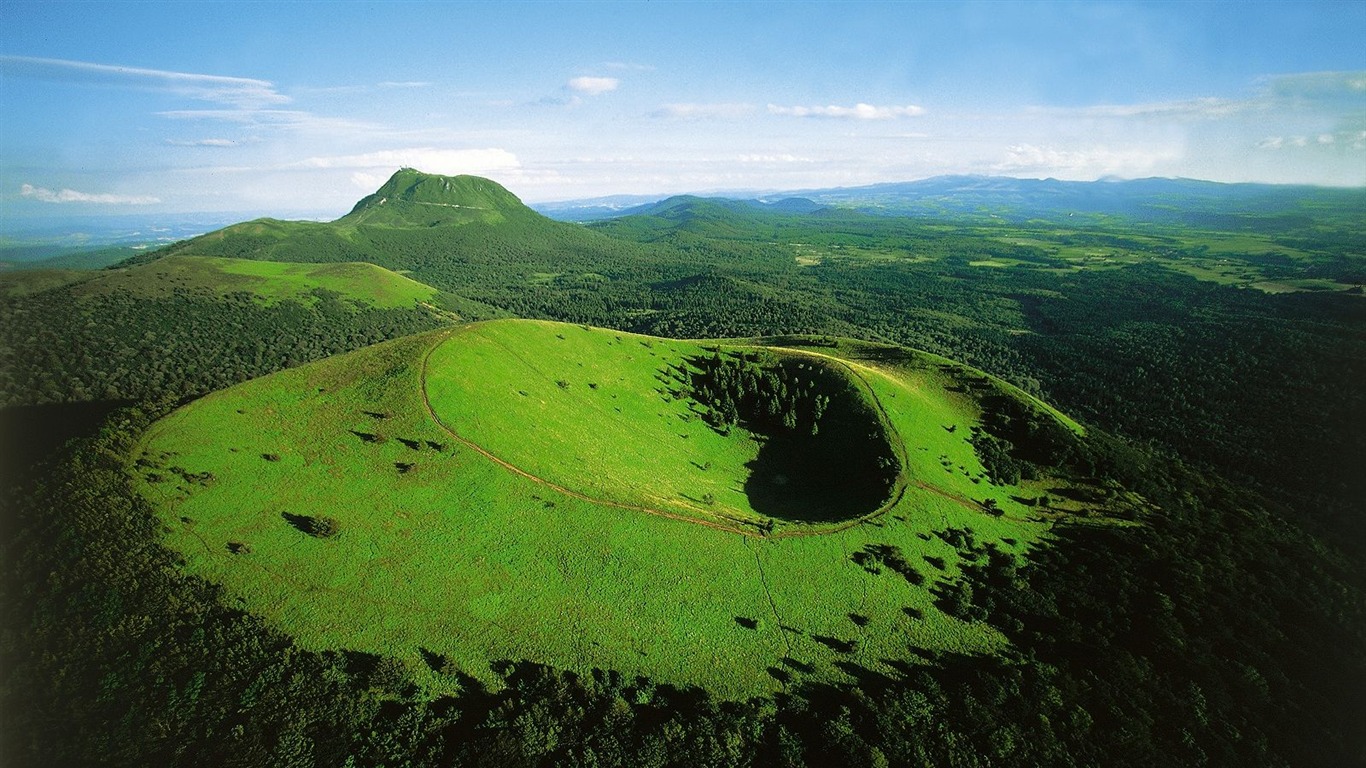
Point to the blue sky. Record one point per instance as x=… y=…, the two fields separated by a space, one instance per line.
x=307 y=106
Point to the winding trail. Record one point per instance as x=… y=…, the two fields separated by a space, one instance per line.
x=773 y=606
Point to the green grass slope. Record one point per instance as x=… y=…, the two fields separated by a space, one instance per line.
x=330 y=500
x=270 y=281
x=412 y=198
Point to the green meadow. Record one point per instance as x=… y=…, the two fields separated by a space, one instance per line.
x=559 y=502
x=270 y=281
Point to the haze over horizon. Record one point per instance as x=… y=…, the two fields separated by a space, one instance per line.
x=156 y=107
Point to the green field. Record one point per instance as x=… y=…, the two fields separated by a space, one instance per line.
x=329 y=500
x=1243 y=260
x=270 y=281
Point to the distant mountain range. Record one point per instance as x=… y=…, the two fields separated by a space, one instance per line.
x=598 y=208
x=797 y=205
x=1185 y=201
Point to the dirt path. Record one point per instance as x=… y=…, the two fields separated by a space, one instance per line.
x=772 y=604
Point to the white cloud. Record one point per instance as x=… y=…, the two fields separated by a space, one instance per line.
x=1321 y=142
x=72 y=196
x=1089 y=163
x=366 y=180
x=593 y=86
x=428 y=159
x=362 y=88
x=703 y=111
x=1195 y=109
x=238 y=100
x=251 y=116
x=1283 y=128
x=859 y=111
x=236 y=115
x=241 y=92
x=1277 y=94
x=288 y=120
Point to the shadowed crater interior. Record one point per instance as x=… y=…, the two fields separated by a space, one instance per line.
x=824 y=454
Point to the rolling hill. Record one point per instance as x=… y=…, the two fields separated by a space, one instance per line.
x=267 y=281
x=456 y=233
x=557 y=493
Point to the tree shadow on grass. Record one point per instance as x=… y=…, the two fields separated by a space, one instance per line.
x=865 y=677
x=317 y=527
x=437 y=662
x=902 y=666
x=835 y=644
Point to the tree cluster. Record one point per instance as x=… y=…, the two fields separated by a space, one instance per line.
x=759 y=393
x=58 y=347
